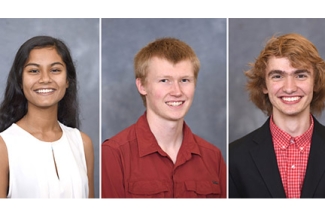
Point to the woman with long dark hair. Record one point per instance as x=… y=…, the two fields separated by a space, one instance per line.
x=42 y=152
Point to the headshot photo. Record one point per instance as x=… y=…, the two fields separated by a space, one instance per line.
x=50 y=102
x=276 y=103
x=130 y=45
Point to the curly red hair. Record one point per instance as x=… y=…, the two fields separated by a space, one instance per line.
x=302 y=54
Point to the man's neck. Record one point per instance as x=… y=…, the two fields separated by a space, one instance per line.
x=169 y=134
x=293 y=125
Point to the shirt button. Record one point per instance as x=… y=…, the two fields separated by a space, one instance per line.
x=283 y=146
x=293 y=167
x=292 y=141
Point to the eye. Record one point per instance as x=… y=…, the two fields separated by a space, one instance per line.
x=55 y=70
x=163 y=80
x=302 y=76
x=33 y=71
x=185 y=80
x=276 y=76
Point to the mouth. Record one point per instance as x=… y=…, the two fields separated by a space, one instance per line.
x=291 y=99
x=44 y=91
x=174 y=103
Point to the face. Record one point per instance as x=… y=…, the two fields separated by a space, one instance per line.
x=169 y=88
x=44 y=78
x=290 y=90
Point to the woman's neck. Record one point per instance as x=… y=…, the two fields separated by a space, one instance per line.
x=42 y=124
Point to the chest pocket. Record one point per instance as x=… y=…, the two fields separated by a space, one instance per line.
x=202 y=189
x=149 y=189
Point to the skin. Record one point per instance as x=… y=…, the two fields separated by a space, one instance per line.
x=44 y=85
x=290 y=91
x=169 y=91
x=89 y=154
x=4 y=169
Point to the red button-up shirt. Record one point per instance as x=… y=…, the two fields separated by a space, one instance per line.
x=134 y=166
x=292 y=157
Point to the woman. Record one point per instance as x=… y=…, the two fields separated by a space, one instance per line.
x=42 y=153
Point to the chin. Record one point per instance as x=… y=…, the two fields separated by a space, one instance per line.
x=176 y=118
x=293 y=113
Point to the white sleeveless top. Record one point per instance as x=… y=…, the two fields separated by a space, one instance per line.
x=32 y=171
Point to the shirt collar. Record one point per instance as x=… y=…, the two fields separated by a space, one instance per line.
x=280 y=135
x=148 y=144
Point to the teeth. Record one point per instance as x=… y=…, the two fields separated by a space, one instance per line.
x=290 y=98
x=174 y=103
x=44 y=90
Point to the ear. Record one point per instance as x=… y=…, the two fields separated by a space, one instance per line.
x=265 y=91
x=141 y=88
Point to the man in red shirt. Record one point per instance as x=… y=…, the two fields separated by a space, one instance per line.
x=159 y=156
x=285 y=158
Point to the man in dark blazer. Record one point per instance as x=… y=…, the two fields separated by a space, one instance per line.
x=284 y=158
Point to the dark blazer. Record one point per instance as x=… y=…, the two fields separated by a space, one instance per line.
x=253 y=169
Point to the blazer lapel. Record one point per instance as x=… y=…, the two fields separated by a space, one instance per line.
x=316 y=162
x=264 y=156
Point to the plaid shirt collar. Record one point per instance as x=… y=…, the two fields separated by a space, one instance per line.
x=279 y=136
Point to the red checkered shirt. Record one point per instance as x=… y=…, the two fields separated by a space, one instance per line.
x=292 y=157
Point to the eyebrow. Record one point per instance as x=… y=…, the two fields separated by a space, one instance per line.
x=37 y=65
x=283 y=72
x=171 y=76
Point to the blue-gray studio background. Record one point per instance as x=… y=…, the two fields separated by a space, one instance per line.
x=122 y=38
x=82 y=38
x=247 y=38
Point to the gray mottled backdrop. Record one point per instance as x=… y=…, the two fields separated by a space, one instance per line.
x=246 y=39
x=82 y=37
x=121 y=102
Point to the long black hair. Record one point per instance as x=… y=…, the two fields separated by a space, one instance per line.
x=14 y=105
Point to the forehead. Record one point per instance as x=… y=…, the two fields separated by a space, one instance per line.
x=163 y=66
x=285 y=65
x=44 y=54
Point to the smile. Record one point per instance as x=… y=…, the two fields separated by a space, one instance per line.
x=44 y=90
x=290 y=98
x=174 y=103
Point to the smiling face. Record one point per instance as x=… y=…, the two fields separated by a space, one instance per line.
x=44 y=79
x=168 y=89
x=290 y=90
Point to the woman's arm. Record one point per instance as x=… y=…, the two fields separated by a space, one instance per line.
x=89 y=154
x=4 y=169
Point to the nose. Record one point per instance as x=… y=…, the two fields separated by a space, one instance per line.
x=45 y=77
x=289 y=85
x=176 y=89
